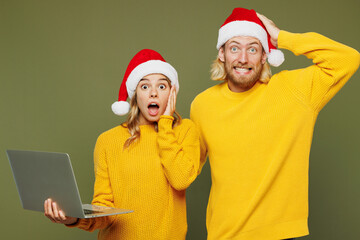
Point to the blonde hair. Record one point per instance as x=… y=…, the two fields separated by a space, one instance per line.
x=132 y=122
x=218 y=71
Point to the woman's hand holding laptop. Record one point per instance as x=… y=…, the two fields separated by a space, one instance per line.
x=57 y=215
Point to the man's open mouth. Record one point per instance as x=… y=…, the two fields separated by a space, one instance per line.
x=242 y=69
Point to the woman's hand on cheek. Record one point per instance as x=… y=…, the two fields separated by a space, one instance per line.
x=170 y=108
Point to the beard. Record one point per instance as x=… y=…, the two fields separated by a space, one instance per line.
x=243 y=81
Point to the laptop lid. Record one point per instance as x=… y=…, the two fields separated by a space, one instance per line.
x=42 y=175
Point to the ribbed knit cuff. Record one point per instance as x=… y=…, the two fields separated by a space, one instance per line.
x=165 y=122
x=78 y=223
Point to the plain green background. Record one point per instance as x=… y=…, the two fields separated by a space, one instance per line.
x=62 y=62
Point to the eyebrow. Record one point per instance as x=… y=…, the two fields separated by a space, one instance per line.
x=254 y=43
x=251 y=43
x=145 y=79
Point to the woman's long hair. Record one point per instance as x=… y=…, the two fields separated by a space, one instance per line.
x=132 y=122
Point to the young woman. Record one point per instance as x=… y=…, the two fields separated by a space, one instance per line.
x=144 y=164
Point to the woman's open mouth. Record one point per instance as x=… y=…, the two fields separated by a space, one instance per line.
x=153 y=109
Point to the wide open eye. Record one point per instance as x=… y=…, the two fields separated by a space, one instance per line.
x=252 y=50
x=144 y=86
x=162 y=86
x=233 y=49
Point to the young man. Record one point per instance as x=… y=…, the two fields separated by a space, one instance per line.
x=257 y=129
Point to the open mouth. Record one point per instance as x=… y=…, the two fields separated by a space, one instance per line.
x=153 y=109
x=242 y=69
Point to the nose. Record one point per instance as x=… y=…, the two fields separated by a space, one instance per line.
x=153 y=93
x=243 y=57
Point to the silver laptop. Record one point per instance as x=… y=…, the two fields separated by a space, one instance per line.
x=42 y=175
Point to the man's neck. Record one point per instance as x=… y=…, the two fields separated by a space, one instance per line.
x=238 y=88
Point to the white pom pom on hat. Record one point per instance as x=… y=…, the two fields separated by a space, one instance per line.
x=120 y=107
x=145 y=62
x=245 y=22
x=276 y=57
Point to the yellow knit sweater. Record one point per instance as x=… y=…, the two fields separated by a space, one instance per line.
x=258 y=142
x=149 y=177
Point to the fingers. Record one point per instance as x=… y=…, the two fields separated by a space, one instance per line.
x=49 y=212
x=167 y=109
x=62 y=216
x=48 y=209
x=170 y=107
x=53 y=212
x=263 y=18
x=270 y=26
x=173 y=102
x=56 y=211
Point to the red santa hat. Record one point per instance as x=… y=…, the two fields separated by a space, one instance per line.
x=145 y=62
x=244 y=22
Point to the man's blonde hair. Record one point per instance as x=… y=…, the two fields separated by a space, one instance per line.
x=218 y=72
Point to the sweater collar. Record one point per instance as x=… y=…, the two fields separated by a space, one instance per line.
x=237 y=95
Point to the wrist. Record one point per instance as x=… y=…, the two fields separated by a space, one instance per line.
x=276 y=37
x=74 y=222
x=165 y=122
x=166 y=117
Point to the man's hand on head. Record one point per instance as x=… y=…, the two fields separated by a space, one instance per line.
x=272 y=29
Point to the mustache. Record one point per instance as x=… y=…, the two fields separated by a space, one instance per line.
x=242 y=65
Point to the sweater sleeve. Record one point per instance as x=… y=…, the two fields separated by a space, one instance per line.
x=334 y=64
x=179 y=151
x=102 y=191
x=195 y=117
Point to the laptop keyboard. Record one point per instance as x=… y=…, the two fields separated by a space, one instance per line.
x=88 y=211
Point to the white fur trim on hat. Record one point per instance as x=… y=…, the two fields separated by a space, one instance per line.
x=120 y=107
x=276 y=57
x=150 y=67
x=242 y=28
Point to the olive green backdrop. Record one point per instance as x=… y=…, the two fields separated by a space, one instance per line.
x=62 y=62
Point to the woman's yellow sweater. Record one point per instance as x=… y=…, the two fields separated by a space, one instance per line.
x=149 y=177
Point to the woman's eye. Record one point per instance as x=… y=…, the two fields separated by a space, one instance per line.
x=144 y=87
x=162 y=86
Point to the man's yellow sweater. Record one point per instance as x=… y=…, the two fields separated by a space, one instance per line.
x=258 y=142
x=149 y=177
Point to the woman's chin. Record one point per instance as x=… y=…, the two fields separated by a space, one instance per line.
x=150 y=118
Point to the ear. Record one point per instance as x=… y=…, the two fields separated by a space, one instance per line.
x=264 y=57
x=221 y=54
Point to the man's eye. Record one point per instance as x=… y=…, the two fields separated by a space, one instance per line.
x=162 y=86
x=144 y=87
x=252 y=50
x=234 y=49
